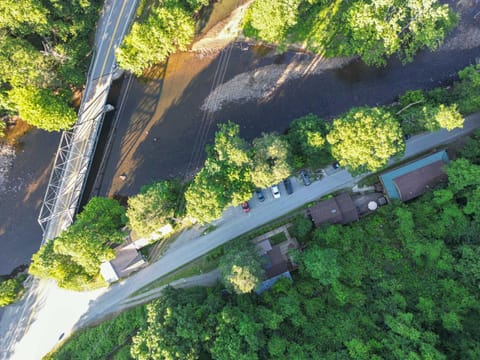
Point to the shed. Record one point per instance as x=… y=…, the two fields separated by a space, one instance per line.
x=415 y=178
x=127 y=260
x=338 y=210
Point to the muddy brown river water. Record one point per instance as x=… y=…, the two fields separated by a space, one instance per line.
x=161 y=132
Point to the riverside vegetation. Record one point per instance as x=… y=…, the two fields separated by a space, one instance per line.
x=402 y=283
x=235 y=167
x=45 y=49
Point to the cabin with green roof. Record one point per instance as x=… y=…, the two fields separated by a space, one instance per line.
x=413 y=179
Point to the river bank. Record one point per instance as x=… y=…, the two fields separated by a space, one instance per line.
x=162 y=130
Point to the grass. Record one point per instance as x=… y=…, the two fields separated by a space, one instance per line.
x=210 y=261
x=104 y=341
x=278 y=238
x=369 y=180
x=198 y=266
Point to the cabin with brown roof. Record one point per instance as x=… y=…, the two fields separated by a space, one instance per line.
x=339 y=210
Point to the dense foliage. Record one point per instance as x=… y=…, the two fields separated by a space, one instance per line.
x=241 y=267
x=44 y=50
x=271 y=159
x=307 y=138
x=225 y=179
x=373 y=29
x=419 y=113
x=365 y=139
x=43 y=108
x=168 y=28
x=109 y=338
x=155 y=206
x=73 y=258
x=11 y=289
x=400 y=284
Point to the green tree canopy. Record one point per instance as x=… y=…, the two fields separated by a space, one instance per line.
x=154 y=207
x=44 y=53
x=373 y=29
x=43 y=108
x=308 y=144
x=401 y=283
x=167 y=29
x=365 y=139
x=11 y=289
x=241 y=268
x=73 y=258
x=321 y=264
x=271 y=163
x=379 y=28
x=226 y=178
x=20 y=16
x=270 y=20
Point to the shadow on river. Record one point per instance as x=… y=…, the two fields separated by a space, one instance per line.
x=161 y=131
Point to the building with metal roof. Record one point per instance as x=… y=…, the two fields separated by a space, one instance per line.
x=413 y=179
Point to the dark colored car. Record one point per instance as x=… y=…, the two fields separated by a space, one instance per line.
x=407 y=136
x=288 y=186
x=245 y=206
x=260 y=195
x=305 y=178
x=335 y=165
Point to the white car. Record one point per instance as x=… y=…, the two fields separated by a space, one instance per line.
x=275 y=191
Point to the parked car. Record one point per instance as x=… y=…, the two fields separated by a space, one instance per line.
x=305 y=178
x=260 y=195
x=288 y=186
x=407 y=136
x=245 y=206
x=335 y=165
x=275 y=191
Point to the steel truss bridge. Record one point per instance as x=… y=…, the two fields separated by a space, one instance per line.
x=77 y=146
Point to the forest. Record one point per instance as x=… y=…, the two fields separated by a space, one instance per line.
x=371 y=29
x=44 y=56
x=402 y=283
x=235 y=167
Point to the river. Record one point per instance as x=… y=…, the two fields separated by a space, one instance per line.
x=161 y=132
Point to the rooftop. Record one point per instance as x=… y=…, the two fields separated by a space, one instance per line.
x=338 y=210
x=412 y=180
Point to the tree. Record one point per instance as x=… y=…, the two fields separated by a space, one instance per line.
x=377 y=29
x=308 y=144
x=154 y=207
x=21 y=64
x=241 y=268
x=365 y=139
x=43 y=108
x=73 y=258
x=167 y=29
x=270 y=20
x=321 y=264
x=11 y=290
x=447 y=117
x=270 y=160
x=462 y=174
x=179 y=326
x=16 y=18
x=226 y=178
x=301 y=228
x=466 y=92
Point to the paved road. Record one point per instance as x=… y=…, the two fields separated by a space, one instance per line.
x=238 y=223
x=62 y=311
x=73 y=166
